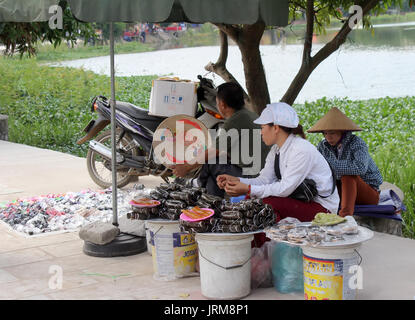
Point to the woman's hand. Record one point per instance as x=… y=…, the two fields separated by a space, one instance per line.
x=222 y=179
x=236 y=188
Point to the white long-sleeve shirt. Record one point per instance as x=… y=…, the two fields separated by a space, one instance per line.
x=299 y=159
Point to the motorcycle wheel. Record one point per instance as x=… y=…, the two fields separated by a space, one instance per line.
x=99 y=168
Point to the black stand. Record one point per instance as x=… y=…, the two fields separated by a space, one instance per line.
x=123 y=245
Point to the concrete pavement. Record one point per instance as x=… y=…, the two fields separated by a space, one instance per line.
x=28 y=171
x=28 y=265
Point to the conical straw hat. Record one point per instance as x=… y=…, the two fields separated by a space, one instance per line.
x=334 y=120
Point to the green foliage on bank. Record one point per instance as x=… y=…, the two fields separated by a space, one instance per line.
x=48 y=108
x=47 y=53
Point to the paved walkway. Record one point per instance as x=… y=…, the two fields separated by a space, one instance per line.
x=28 y=266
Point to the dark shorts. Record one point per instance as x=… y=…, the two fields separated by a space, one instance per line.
x=209 y=173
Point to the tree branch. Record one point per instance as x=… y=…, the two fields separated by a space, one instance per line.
x=230 y=30
x=223 y=56
x=306 y=69
x=219 y=67
x=297 y=4
x=308 y=42
x=340 y=37
x=248 y=38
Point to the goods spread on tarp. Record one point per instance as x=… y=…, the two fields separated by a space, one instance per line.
x=72 y=210
x=69 y=211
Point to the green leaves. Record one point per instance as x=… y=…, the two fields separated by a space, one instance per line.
x=22 y=37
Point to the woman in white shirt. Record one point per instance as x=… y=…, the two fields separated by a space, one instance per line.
x=298 y=160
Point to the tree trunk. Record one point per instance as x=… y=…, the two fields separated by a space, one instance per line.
x=248 y=39
x=220 y=66
x=255 y=80
x=296 y=85
x=306 y=66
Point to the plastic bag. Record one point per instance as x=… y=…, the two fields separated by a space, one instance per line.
x=261 y=275
x=287 y=267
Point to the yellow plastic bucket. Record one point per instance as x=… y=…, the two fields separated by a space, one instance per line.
x=174 y=253
x=329 y=273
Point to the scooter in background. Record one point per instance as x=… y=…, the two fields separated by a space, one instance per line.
x=134 y=137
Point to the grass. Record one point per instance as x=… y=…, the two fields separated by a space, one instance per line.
x=49 y=107
x=393 y=18
x=47 y=53
x=206 y=35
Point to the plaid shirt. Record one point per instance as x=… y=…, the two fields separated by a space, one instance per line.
x=352 y=158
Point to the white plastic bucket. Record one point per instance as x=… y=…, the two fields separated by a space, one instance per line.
x=174 y=253
x=225 y=265
x=148 y=237
x=331 y=273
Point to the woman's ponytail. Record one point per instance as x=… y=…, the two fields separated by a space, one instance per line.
x=298 y=131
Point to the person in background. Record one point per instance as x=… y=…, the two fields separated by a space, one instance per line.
x=358 y=177
x=143 y=28
x=231 y=105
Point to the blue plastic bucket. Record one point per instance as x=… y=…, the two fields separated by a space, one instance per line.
x=287 y=268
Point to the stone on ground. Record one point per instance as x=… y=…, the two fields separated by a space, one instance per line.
x=99 y=232
x=130 y=226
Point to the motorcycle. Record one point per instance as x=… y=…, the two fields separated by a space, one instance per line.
x=134 y=137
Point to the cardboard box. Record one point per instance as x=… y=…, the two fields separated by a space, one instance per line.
x=171 y=96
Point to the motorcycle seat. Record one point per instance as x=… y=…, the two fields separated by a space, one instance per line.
x=140 y=115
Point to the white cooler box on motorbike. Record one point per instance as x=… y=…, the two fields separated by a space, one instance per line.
x=172 y=96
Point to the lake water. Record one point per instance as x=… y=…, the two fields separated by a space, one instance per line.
x=361 y=69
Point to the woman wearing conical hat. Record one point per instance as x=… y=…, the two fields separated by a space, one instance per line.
x=358 y=177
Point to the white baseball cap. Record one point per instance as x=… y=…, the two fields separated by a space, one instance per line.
x=279 y=113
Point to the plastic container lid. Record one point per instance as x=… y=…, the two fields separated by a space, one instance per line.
x=186 y=218
x=135 y=204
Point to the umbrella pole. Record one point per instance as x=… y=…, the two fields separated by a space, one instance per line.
x=113 y=132
x=123 y=244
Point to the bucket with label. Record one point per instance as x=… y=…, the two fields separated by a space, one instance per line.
x=225 y=265
x=331 y=273
x=174 y=253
